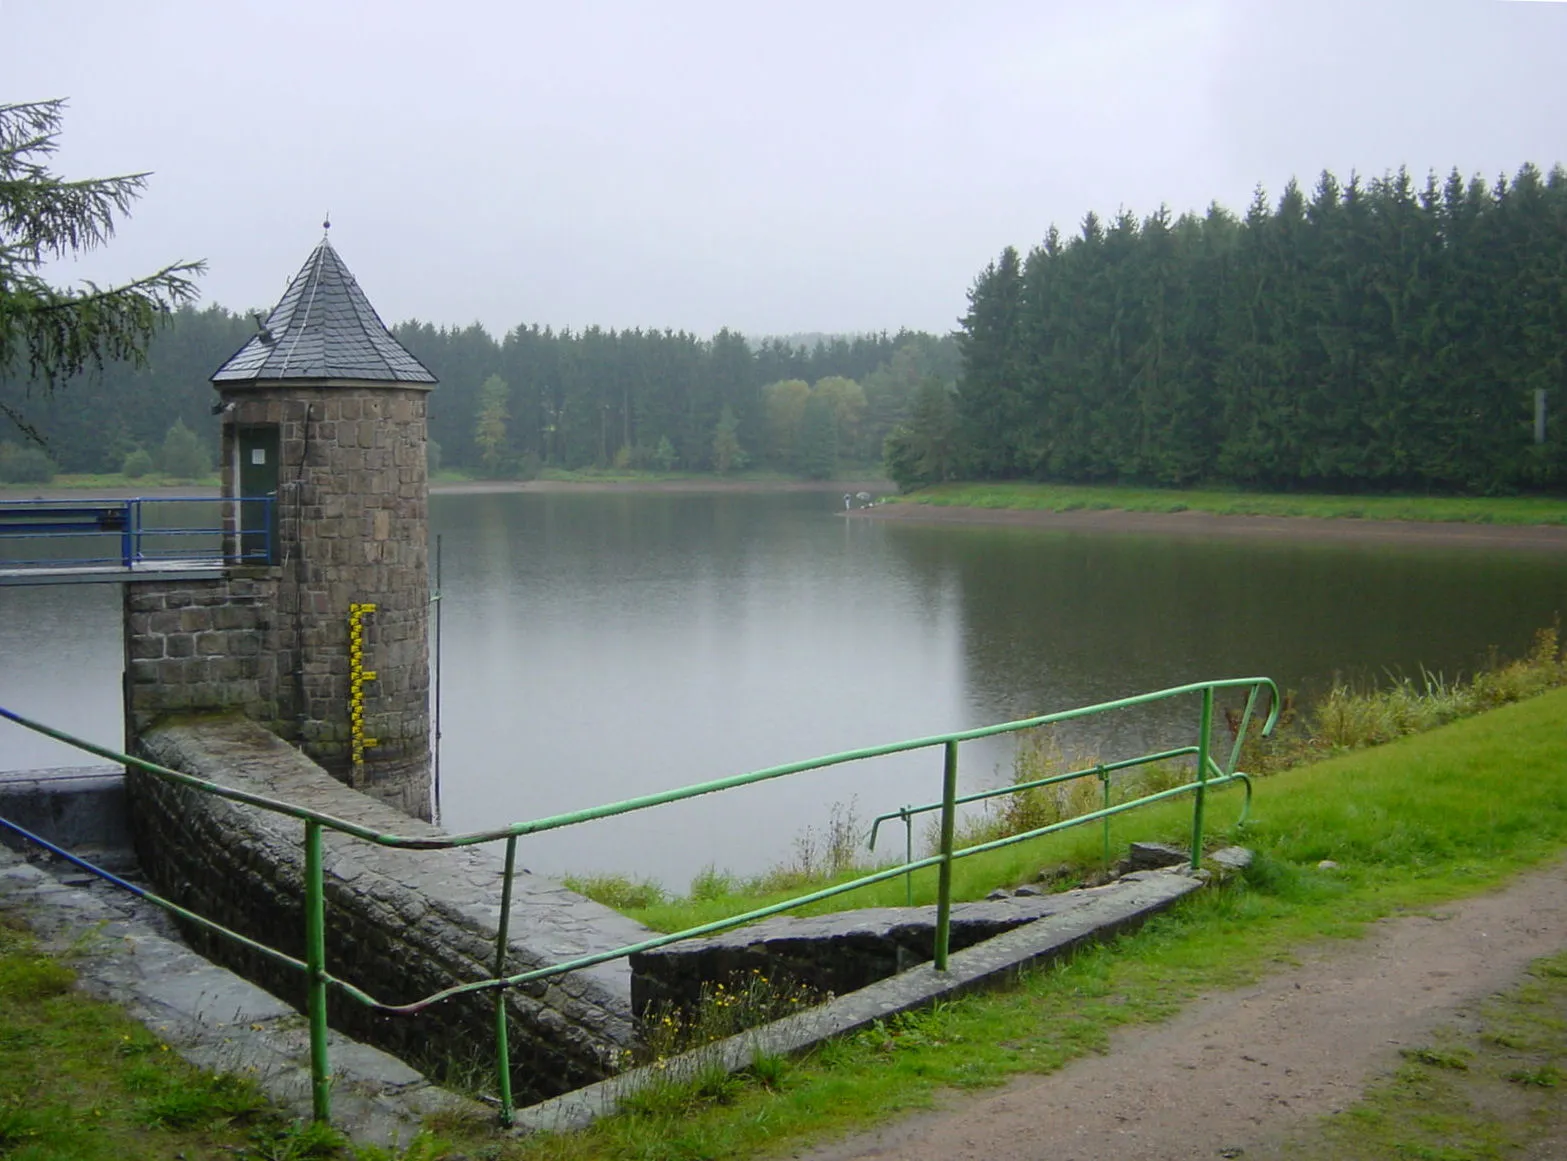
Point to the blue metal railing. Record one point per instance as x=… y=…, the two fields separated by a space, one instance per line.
x=136 y=533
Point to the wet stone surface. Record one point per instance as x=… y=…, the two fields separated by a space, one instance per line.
x=401 y=924
x=125 y=951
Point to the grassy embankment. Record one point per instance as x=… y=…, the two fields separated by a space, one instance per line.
x=109 y=481
x=118 y=482
x=1418 y=822
x=1347 y=718
x=1426 y=819
x=1075 y=497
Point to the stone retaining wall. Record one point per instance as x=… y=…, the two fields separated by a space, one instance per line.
x=200 y=645
x=827 y=955
x=400 y=924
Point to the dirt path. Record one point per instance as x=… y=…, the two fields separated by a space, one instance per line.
x=1242 y=1070
x=1546 y=537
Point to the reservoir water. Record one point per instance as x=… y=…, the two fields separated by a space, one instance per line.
x=601 y=645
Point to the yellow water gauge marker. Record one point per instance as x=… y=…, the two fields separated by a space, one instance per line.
x=358 y=675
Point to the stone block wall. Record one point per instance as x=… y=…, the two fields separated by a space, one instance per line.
x=200 y=645
x=401 y=924
x=352 y=527
x=828 y=955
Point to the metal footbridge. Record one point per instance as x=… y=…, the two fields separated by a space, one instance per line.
x=75 y=541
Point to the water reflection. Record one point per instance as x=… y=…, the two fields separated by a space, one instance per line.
x=618 y=645
x=601 y=646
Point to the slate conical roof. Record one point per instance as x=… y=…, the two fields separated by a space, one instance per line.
x=323 y=328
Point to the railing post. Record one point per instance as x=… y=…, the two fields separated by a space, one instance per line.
x=1104 y=779
x=315 y=972
x=1204 y=737
x=126 y=534
x=502 y=1045
x=949 y=809
x=1240 y=732
x=908 y=854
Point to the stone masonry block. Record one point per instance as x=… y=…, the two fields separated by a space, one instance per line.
x=142 y=647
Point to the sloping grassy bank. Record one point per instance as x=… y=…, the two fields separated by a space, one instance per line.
x=1079 y=497
x=1410 y=824
x=1348 y=718
x=1416 y=822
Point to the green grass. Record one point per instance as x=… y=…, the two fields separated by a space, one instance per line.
x=1346 y=719
x=1468 y=1095
x=1075 y=497
x=79 y=1081
x=89 y=482
x=1410 y=824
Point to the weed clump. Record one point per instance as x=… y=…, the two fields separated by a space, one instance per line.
x=620 y=892
x=1040 y=755
x=723 y=1009
x=1350 y=716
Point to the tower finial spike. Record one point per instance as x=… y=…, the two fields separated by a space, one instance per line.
x=327 y=224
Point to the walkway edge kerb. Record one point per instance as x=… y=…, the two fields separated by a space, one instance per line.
x=120 y=953
x=988 y=964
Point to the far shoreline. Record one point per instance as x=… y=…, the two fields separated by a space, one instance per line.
x=1212 y=525
x=716 y=484
x=1188 y=524
x=695 y=485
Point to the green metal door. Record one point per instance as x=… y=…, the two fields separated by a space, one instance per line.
x=258 y=483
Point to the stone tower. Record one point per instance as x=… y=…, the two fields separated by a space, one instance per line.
x=324 y=411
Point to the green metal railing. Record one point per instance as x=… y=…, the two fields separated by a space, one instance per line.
x=1208 y=775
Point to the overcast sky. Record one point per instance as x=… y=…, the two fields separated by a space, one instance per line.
x=769 y=167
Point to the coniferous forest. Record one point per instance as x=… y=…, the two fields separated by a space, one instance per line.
x=538 y=398
x=1365 y=336
x=1369 y=335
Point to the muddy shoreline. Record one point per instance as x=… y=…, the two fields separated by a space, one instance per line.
x=1188 y=524
x=1210 y=525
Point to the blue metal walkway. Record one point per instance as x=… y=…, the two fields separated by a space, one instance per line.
x=75 y=541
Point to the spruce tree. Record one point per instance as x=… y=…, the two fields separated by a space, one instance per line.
x=49 y=333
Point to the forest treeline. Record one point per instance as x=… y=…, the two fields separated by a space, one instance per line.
x=1369 y=335
x=539 y=398
x=1376 y=334
x=669 y=399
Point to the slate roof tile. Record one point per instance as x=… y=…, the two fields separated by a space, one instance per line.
x=323 y=328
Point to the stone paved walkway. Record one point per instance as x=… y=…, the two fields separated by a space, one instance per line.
x=125 y=951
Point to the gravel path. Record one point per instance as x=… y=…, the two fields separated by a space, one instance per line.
x=1237 y=1072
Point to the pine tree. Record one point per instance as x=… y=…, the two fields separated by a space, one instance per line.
x=991 y=401
x=49 y=333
